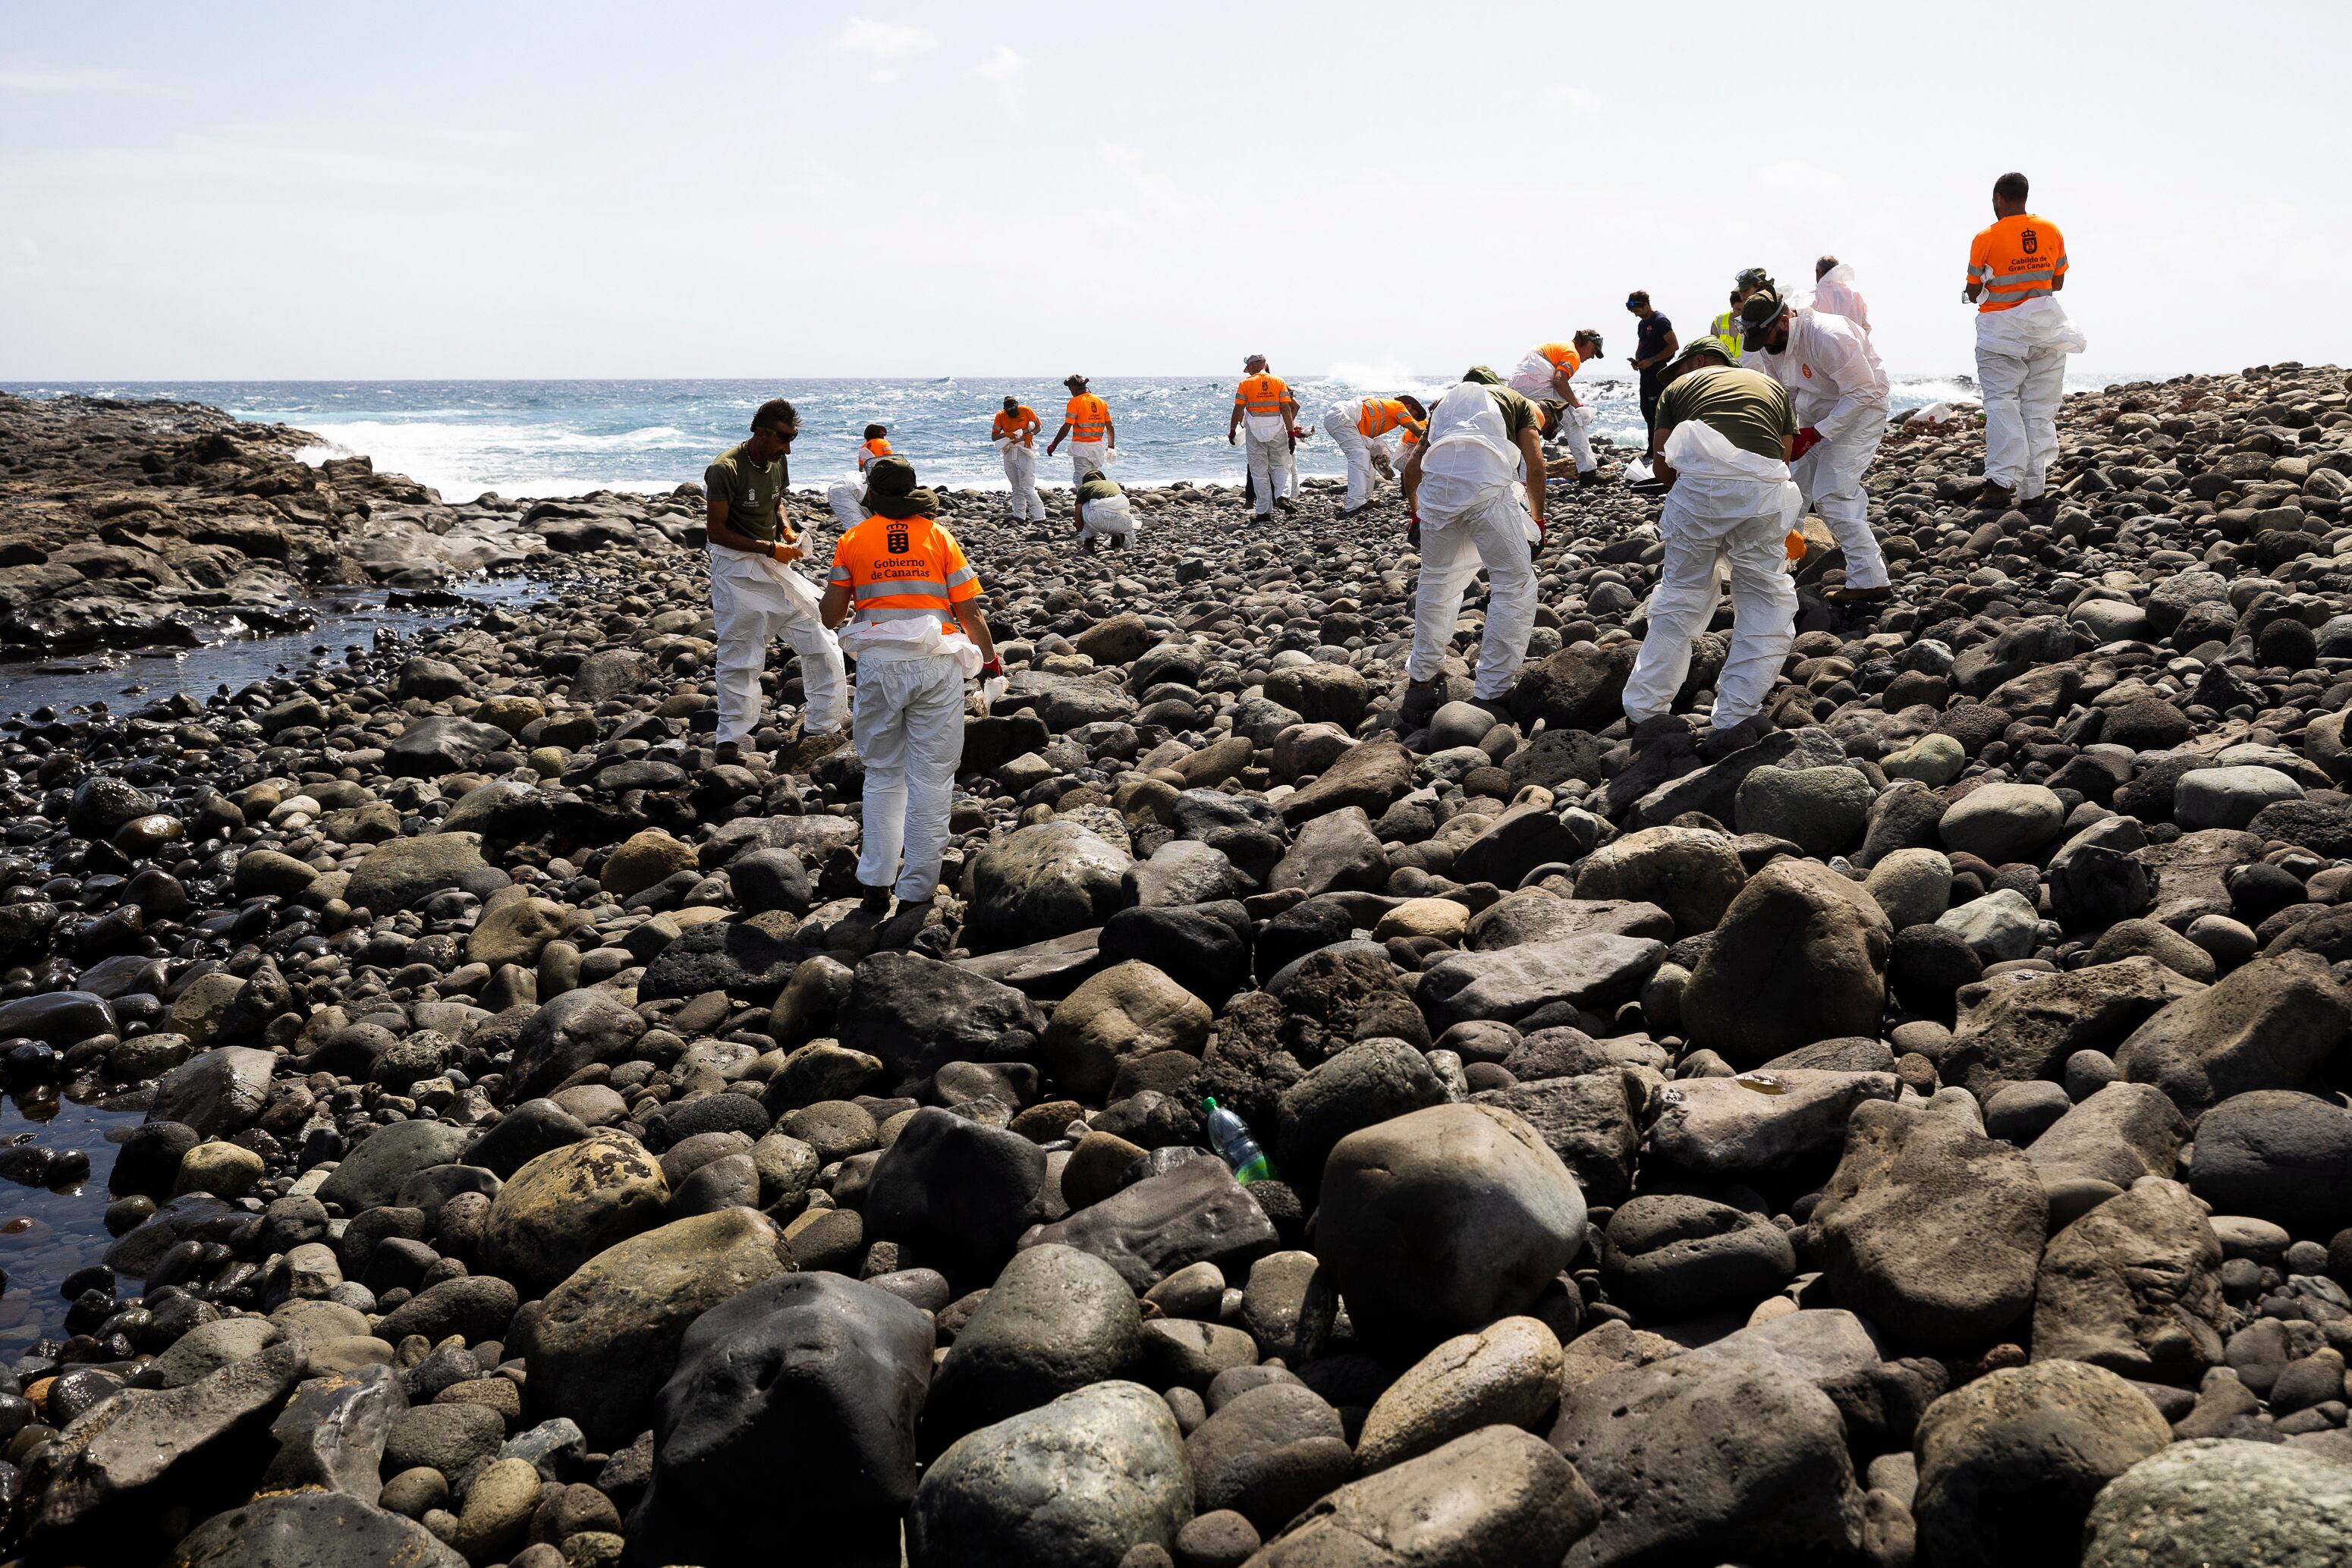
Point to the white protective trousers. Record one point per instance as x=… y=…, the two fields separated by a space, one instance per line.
x=1021 y=473
x=1112 y=518
x=753 y=600
x=1339 y=424
x=1830 y=476
x=1272 y=469
x=847 y=499
x=1497 y=530
x=1087 y=456
x=910 y=734
x=1725 y=504
x=2022 y=390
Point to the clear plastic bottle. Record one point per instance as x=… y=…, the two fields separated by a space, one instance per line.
x=1230 y=1136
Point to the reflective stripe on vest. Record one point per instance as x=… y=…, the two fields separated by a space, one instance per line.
x=1088 y=417
x=878 y=447
x=1561 y=355
x=1261 y=396
x=1376 y=416
x=897 y=567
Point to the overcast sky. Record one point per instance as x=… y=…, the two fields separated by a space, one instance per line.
x=785 y=189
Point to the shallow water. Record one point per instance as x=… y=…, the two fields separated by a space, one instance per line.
x=347 y=619
x=47 y=1234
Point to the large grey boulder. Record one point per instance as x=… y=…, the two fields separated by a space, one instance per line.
x=1800 y=956
x=1930 y=1229
x=1693 y=874
x=2134 y=1286
x=1056 y=1320
x=1766 y=1121
x=2025 y=1030
x=1594 y=972
x=2220 y=1503
x=2266 y=1025
x=1075 y=1484
x=1045 y=880
x=1439 y=1222
x=1496 y=1496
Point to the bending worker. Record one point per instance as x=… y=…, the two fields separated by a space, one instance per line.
x=1721 y=448
x=1015 y=430
x=1356 y=427
x=2016 y=268
x=1547 y=372
x=1475 y=487
x=1840 y=390
x=754 y=594
x=912 y=602
x=1264 y=403
x=1087 y=426
x=1103 y=512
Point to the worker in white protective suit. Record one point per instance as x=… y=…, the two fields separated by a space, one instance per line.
x=2016 y=267
x=1840 y=390
x=1104 y=512
x=1473 y=488
x=1721 y=446
x=1088 y=426
x=1263 y=407
x=1356 y=426
x=755 y=596
x=1835 y=294
x=911 y=604
x=1013 y=430
x=1548 y=371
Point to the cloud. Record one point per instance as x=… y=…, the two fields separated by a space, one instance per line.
x=1002 y=70
x=1584 y=100
x=883 y=43
x=38 y=78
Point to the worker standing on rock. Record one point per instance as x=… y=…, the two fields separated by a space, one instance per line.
x=2016 y=267
x=1835 y=294
x=1356 y=426
x=1264 y=405
x=1547 y=372
x=1014 y=431
x=1087 y=426
x=754 y=594
x=1721 y=446
x=1724 y=329
x=912 y=604
x=1103 y=512
x=1475 y=489
x=1654 y=344
x=1840 y=390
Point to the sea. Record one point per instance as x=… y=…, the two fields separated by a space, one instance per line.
x=554 y=438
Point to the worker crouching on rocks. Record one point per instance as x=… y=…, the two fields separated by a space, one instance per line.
x=1721 y=446
x=755 y=595
x=1475 y=489
x=911 y=602
x=1103 y=512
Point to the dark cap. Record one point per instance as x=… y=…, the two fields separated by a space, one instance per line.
x=1074 y=381
x=1639 y=296
x=1698 y=349
x=1755 y=317
x=1753 y=278
x=889 y=478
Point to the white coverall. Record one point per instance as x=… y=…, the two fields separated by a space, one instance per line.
x=1473 y=509
x=1021 y=474
x=2021 y=370
x=1840 y=391
x=1534 y=378
x=1835 y=294
x=908 y=730
x=1112 y=517
x=1725 y=503
x=1339 y=424
x=1087 y=456
x=755 y=599
x=1272 y=468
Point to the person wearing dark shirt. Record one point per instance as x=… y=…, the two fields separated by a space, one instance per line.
x=1654 y=344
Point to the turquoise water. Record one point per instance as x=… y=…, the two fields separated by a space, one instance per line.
x=565 y=438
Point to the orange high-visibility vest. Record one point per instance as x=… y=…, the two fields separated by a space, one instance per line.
x=1261 y=396
x=867 y=452
x=1090 y=417
x=898 y=567
x=1563 y=357
x=1376 y=416
x=1012 y=424
x=2016 y=259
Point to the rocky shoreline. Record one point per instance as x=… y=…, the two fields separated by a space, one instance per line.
x=1919 y=1138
